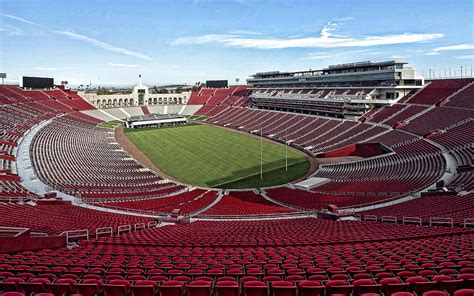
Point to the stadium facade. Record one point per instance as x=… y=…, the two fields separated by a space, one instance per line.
x=140 y=96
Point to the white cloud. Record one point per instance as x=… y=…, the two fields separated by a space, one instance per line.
x=437 y=50
x=327 y=39
x=19 y=19
x=123 y=65
x=11 y=81
x=343 y=19
x=330 y=55
x=467 y=57
x=309 y=42
x=245 y=32
x=79 y=37
x=46 y=68
x=395 y=56
x=12 y=31
x=103 y=45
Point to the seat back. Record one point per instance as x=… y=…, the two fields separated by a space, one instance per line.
x=89 y=287
x=116 y=288
x=171 y=288
x=144 y=288
x=199 y=288
x=227 y=288
x=283 y=288
x=310 y=288
x=255 y=288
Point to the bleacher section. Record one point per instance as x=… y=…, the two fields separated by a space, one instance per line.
x=455 y=207
x=191 y=258
x=20 y=111
x=250 y=243
x=44 y=217
x=312 y=200
x=438 y=90
x=99 y=162
x=188 y=202
x=216 y=100
x=244 y=203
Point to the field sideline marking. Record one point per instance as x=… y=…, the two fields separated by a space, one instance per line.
x=264 y=172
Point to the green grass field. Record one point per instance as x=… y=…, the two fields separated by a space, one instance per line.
x=110 y=124
x=209 y=156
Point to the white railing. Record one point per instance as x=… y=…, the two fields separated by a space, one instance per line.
x=468 y=222
x=441 y=221
x=132 y=211
x=6 y=231
x=122 y=199
x=431 y=221
x=38 y=234
x=75 y=235
x=370 y=218
x=124 y=228
x=12 y=199
x=255 y=216
x=103 y=231
x=139 y=226
x=389 y=219
x=411 y=220
x=152 y=224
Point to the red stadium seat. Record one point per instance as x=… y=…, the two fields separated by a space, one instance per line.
x=144 y=288
x=255 y=288
x=116 y=287
x=171 y=288
x=199 y=288
x=283 y=288
x=227 y=288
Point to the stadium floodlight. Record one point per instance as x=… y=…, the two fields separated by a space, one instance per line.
x=3 y=76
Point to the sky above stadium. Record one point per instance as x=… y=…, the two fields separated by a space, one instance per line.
x=111 y=42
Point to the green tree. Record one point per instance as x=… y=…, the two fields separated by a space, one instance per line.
x=103 y=91
x=159 y=90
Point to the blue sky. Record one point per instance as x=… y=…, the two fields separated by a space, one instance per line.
x=110 y=42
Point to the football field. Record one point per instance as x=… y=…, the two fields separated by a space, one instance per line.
x=209 y=156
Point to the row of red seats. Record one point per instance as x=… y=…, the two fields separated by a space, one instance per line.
x=245 y=203
x=437 y=90
x=187 y=202
x=455 y=207
x=250 y=287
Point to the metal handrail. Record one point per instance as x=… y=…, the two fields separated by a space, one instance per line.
x=103 y=230
x=412 y=220
x=256 y=216
x=442 y=221
x=468 y=222
x=75 y=234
